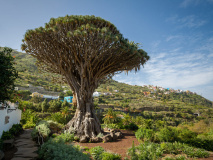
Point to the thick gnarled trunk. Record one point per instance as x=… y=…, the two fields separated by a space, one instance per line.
x=85 y=122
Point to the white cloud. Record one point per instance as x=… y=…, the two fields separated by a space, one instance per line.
x=190 y=21
x=188 y=3
x=179 y=71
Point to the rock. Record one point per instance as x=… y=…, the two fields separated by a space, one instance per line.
x=119 y=135
x=114 y=137
x=96 y=140
x=83 y=139
x=1 y=154
x=7 y=144
x=115 y=130
x=107 y=138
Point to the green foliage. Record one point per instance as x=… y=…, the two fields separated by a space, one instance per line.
x=110 y=117
x=112 y=126
x=65 y=104
x=144 y=134
x=59 y=150
x=184 y=134
x=68 y=93
x=132 y=152
x=110 y=156
x=66 y=137
x=201 y=143
x=42 y=128
x=96 y=152
x=6 y=135
x=146 y=151
x=59 y=117
x=36 y=99
x=55 y=105
x=167 y=134
x=16 y=129
x=44 y=105
x=178 y=148
x=29 y=119
x=8 y=75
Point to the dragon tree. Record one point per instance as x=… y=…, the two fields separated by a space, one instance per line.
x=84 y=50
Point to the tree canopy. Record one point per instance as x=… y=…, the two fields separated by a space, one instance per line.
x=8 y=74
x=83 y=50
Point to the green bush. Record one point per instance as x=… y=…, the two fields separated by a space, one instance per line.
x=42 y=128
x=96 y=152
x=168 y=134
x=59 y=150
x=66 y=137
x=110 y=156
x=16 y=129
x=185 y=134
x=6 y=135
x=147 y=151
x=59 y=117
x=145 y=134
x=200 y=143
x=178 y=148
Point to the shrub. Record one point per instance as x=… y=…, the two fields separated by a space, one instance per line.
x=59 y=117
x=42 y=128
x=178 y=148
x=59 y=150
x=132 y=126
x=96 y=152
x=16 y=129
x=148 y=151
x=185 y=134
x=66 y=137
x=197 y=142
x=6 y=135
x=167 y=134
x=145 y=134
x=110 y=156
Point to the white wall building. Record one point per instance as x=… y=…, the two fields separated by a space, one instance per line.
x=96 y=94
x=9 y=116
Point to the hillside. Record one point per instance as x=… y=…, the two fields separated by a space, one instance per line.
x=134 y=97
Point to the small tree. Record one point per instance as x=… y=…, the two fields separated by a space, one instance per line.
x=84 y=50
x=8 y=74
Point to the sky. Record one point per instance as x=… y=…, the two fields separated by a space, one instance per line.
x=176 y=34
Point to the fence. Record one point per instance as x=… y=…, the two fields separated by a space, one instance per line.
x=9 y=116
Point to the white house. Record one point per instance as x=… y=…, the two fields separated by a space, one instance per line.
x=9 y=116
x=96 y=94
x=50 y=97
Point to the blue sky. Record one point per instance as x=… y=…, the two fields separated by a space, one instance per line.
x=177 y=34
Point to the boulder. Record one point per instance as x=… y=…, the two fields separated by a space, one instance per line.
x=83 y=139
x=7 y=144
x=115 y=130
x=96 y=140
x=114 y=137
x=107 y=138
x=119 y=135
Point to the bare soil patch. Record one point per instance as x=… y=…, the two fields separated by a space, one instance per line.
x=121 y=146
